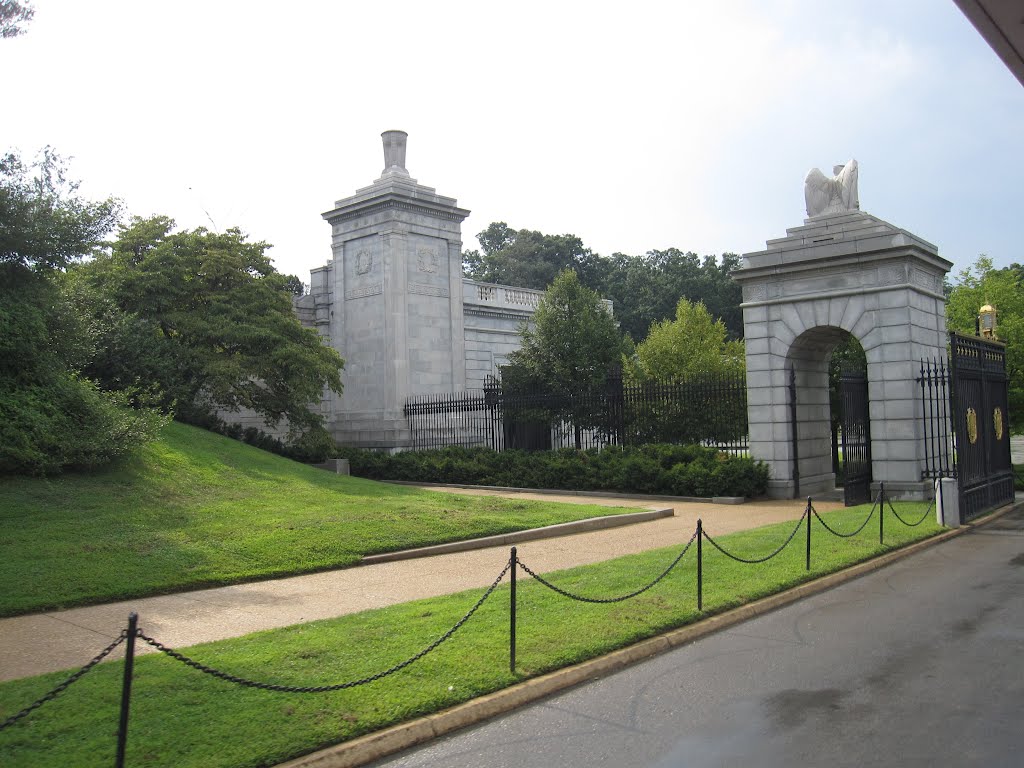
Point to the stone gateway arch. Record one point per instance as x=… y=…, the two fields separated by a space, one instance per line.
x=843 y=272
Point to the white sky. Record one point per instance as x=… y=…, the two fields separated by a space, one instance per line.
x=633 y=125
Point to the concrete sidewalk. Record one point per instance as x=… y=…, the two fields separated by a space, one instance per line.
x=46 y=642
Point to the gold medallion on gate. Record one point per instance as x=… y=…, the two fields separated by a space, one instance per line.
x=972 y=425
x=997 y=420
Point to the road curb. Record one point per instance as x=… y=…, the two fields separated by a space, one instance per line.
x=374 y=746
x=547 y=532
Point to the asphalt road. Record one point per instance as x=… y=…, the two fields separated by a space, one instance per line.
x=918 y=664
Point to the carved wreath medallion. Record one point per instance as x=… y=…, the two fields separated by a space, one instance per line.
x=364 y=262
x=428 y=260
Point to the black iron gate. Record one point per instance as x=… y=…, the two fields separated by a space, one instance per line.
x=856 y=437
x=981 y=423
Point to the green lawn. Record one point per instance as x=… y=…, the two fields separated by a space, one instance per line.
x=183 y=718
x=197 y=509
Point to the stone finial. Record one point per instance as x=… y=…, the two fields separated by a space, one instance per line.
x=394 y=151
x=838 y=194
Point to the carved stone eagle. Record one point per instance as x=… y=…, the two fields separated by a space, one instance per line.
x=838 y=194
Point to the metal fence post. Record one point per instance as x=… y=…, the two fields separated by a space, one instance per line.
x=881 y=512
x=513 y=560
x=700 y=565
x=809 y=516
x=126 y=687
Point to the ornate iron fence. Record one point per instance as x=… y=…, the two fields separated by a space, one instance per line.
x=966 y=422
x=706 y=410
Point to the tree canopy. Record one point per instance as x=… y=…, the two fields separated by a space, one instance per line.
x=982 y=284
x=526 y=258
x=644 y=289
x=214 y=305
x=569 y=349
x=572 y=342
x=693 y=344
x=52 y=416
x=45 y=223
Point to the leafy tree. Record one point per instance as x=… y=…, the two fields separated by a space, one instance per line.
x=220 y=316
x=983 y=284
x=694 y=359
x=569 y=350
x=52 y=416
x=527 y=258
x=693 y=344
x=45 y=224
x=294 y=285
x=13 y=15
x=644 y=289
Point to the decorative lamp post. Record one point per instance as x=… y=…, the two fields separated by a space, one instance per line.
x=987 y=321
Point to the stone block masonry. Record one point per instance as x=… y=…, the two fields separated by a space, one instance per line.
x=841 y=273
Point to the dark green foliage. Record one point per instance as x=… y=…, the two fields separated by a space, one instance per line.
x=528 y=258
x=45 y=224
x=569 y=348
x=312 y=447
x=207 y=318
x=981 y=284
x=51 y=418
x=644 y=289
x=677 y=470
x=68 y=423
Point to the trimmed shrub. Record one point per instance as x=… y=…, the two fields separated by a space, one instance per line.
x=679 y=470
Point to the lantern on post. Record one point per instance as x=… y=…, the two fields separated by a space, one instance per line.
x=987 y=321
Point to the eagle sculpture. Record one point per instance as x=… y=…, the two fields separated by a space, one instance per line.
x=838 y=194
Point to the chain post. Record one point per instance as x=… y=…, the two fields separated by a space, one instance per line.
x=700 y=565
x=126 y=687
x=513 y=561
x=809 y=514
x=881 y=512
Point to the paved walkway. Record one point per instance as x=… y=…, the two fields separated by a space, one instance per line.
x=45 y=642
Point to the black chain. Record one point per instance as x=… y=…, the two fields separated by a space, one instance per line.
x=927 y=512
x=583 y=599
x=323 y=688
x=63 y=686
x=834 y=532
x=739 y=559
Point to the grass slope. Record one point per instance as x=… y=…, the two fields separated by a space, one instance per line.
x=182 y=718
x=197 y=509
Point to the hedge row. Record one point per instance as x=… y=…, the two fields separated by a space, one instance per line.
x=312 y=448
x=677 y=470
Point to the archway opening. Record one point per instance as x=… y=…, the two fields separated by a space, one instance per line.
x=849 y=420
x=819 y=360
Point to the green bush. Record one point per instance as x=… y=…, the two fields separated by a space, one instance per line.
x=67 y=423
x=680 y=470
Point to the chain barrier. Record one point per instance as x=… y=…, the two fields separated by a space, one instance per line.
x=322 y=688
x=834 y=532
x=64 y=686
x=927 y=512
x=582 y=599
x=739 y=559
x=510 y=565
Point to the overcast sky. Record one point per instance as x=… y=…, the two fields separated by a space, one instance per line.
x=635 y=125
